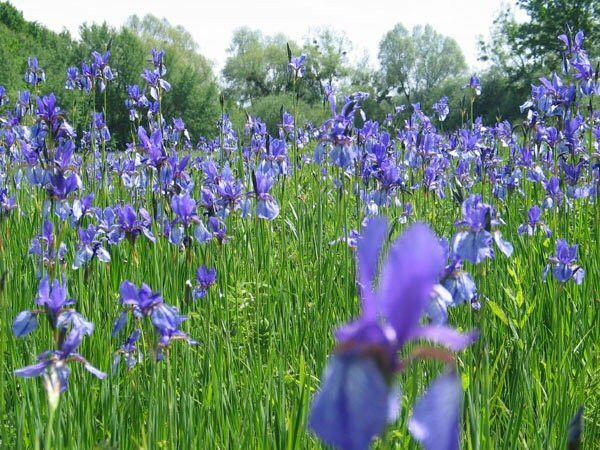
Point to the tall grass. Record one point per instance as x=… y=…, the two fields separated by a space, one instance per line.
x=265 y=333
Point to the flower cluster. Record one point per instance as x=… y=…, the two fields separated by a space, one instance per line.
x=358 y=397
x=141 y=303
x=70 y=328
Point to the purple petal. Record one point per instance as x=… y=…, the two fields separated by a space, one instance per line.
x=353 y=405
x=25 y=323
x=120 y=323
x=504 y=246
x=435 y=419
x=129 y=293
x=91 y=369
x=473 y=247
x=446 y=336
x=33 y=370
x=409 y=274
x=368 y=250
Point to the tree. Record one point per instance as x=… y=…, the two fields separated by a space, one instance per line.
x=128 y=55
x=416 y=62
x=327 y=61
x=537 y=39
x=195 y=93
x=20 y=39
x=256 y=65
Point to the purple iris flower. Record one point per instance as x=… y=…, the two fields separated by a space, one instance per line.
x=158 y=58
x=218 y=228
x=54 y=363
x=3 y=96
x=129 y=351
x=554 y=195
x=136 y=101
x=7 y=204
x=23 y=105
x=350 y=238
x=63 y=155
x=53 y=299
x=298 y=65
x=90 y=246
x=407 y=210
x=205 y=278
x=275 y=160
x=287 y=122
x=72 y=81
x=474 y=244
x=143 y=303
x=441 y=108
x=34 y=74
x=43 y=246
x=572 y=178
x=61 y=186
x=563 y=264
x=455 y=287
x=178 y=167
x=534 y=223
x=50 y=114
x=231 y=193
x=475 y=84
x=130 y=226
x=100 y=69
x=167 y=320
x=62 y=317
x=153 y=146
x=357 y=398
x=184 y=208
x=101 y=126
x=83 y=207
x=266 y=206
x=156 y=83
x=574 y=46
x=336 y=132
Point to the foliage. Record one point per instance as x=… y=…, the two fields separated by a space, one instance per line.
x=418 y=61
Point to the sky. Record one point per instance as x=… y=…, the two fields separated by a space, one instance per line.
x=212 y=23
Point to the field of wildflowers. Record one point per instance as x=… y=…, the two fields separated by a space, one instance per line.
x=351 y=283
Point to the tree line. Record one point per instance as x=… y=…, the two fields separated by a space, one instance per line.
x=413 y=66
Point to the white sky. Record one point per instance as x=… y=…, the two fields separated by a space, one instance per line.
x=211 y=23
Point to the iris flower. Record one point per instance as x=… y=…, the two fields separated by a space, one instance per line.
x=474 y=242
x=144 y=303
x=534 y=223
x=205 y=278
x=357 y=397
x=563 y=264
x=54 y=363
x=266 y=206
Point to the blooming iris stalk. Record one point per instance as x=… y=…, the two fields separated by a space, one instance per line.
x=563 y=264
x=141 y=303
x=358 y=397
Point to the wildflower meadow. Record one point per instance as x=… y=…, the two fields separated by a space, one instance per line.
x=351 y=283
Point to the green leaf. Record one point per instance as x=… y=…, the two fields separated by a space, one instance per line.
x=498 y=311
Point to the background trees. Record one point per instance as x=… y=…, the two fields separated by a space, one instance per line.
x=417 y=65
x=414 y=63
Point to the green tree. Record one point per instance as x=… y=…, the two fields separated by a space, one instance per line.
x=327 y=61
x=128 y=57
x=195 y=93
x=20 y=39
x=256 y=65
x=417 y=61
x=536 y=38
